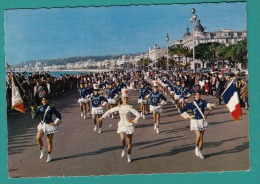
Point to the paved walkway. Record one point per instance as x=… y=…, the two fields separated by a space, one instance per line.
x=79 y=151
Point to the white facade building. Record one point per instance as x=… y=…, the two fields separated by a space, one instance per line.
x=224 y=36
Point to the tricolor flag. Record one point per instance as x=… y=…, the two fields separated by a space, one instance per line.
x=231 y=99
x=17 y=101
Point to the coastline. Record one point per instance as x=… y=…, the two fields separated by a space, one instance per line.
x=67 y=70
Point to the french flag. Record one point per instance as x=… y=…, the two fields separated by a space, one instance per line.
x=231 y=99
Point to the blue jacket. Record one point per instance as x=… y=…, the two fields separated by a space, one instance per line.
x=156 y=97
x=40 y=111
x=97 y=99
x=201 y=103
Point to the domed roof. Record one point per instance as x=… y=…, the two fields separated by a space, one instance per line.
x=199 y=27
x=187 y=33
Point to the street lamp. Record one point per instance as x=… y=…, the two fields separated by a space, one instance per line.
x=193 y=20
x=167 y=39
x=143 y=62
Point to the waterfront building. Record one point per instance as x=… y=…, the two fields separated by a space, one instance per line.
x=224 y=36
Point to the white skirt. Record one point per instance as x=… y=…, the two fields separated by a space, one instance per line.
x=83 y=100
x=198 y=124
x=157 y=109
x=112 y=101
x=97 y=110
x=165 y=85
x=126 y=129
x=177 y=97
x=46 y=128
x=144 y=101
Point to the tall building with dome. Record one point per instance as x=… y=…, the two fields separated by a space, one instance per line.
x=224 y=36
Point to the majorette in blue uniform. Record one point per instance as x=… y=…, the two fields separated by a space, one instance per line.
x=157 y=101
x=97 y=106
x=197 y=122
x=111 y=94
x=82 y=93
x=46 y=125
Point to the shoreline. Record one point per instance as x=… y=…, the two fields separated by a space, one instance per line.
x=68 y=70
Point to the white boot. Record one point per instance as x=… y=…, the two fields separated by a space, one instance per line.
x=112 y=116
x=99 y=130
x=123 y=153
x=95 y=128
x=81 y=115
x=128 y=158
x=43 y=151
x=84 y=116
x=157 y=130
x=143 y=116
x=154 y=127
x=197 y=151
x=200 y=155
x=48 y=158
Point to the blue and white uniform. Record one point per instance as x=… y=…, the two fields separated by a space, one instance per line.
x=156 y=98
x=45 y=112
x=143 y=92
x=198 y=122
x=82 y=95
x=96 y=101
x=111 y=94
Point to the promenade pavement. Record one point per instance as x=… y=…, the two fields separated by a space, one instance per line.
x=79 y=151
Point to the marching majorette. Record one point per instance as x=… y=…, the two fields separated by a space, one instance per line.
x=184 y=95
x=47 y=125
x=83 y=99
x=89 y=91
x=164 y=82
x=111 y=97
x=143 y=99
x=198 y=121
x=156 y=105
x=126 y=123
x=97 y=107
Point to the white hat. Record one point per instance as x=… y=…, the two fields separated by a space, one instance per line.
x=155 y=83
x=95 y=86
x=125 y=92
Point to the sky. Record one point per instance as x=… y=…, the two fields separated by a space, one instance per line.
x=32 y=34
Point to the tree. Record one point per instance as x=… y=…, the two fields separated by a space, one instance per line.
x=206 y=52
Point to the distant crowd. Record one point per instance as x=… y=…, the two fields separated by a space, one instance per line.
x=29 y=84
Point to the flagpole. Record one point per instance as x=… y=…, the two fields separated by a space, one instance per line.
x=221 y=95
x=228 y=86
x=212 y=108
x=9 y=67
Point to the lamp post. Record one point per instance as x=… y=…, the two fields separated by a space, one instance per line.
x=167 y=39
x=193 y=20
x=143 y=62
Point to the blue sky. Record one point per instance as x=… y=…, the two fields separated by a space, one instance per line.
x=32 y=34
